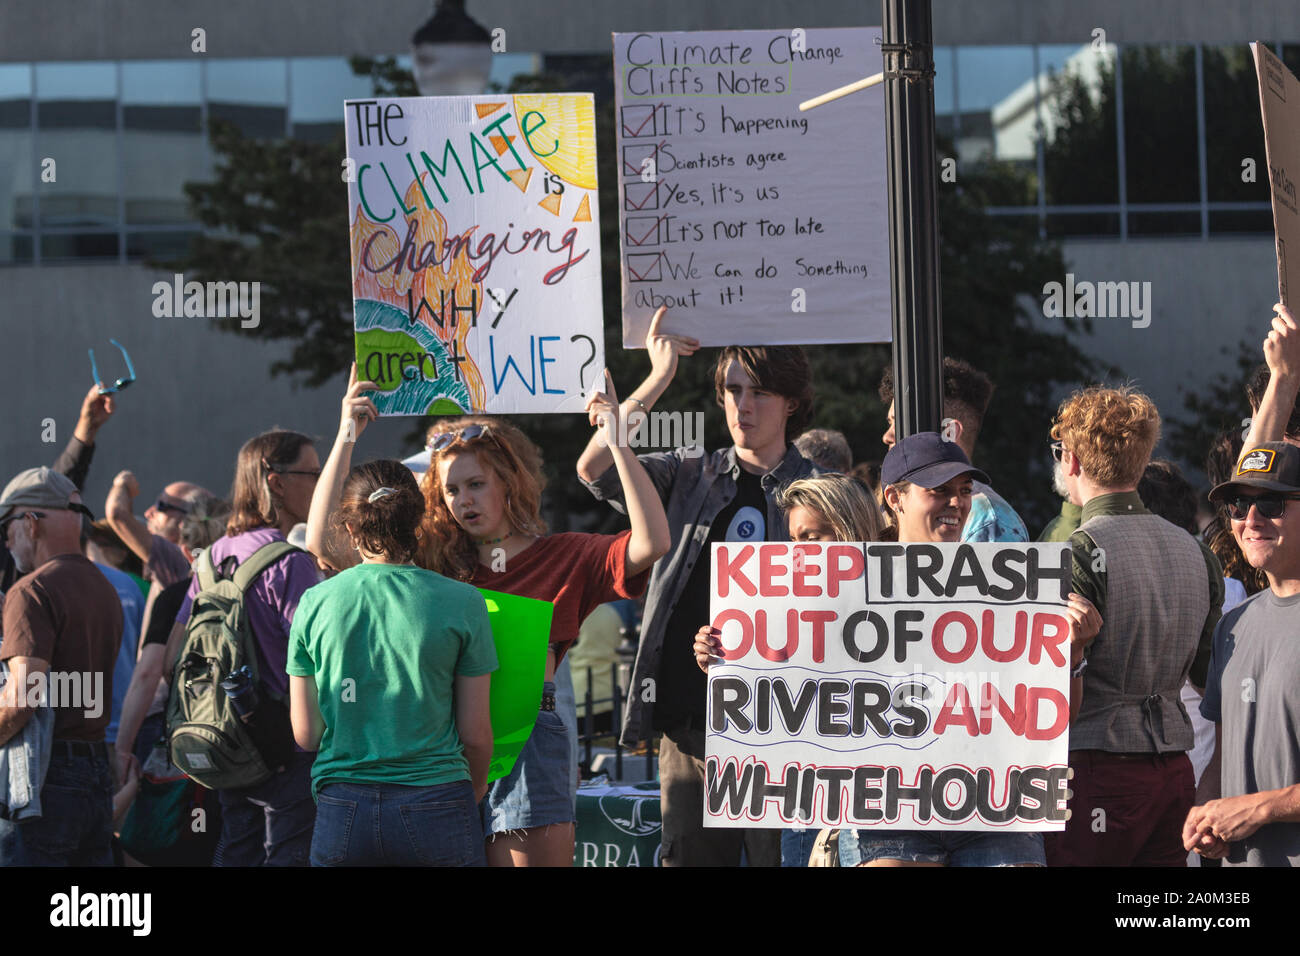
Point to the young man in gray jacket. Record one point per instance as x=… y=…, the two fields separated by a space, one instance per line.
x=726 y=495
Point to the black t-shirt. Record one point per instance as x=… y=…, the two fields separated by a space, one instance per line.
x=165 y=608
x=680 y=685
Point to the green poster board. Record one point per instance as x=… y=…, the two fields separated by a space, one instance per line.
x=521 y=630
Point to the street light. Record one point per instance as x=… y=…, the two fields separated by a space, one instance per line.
x=452 y=52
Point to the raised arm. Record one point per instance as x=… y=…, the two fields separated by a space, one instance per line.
x=328 y=544
x=663 y=350
x=119 y=509
x=1282 y=353
x=645 y=511
x=96 y=409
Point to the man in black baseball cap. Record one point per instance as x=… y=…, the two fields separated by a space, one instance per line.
x=62 y=630
x=1249 y=813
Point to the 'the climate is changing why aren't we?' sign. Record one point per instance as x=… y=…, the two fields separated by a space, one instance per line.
x=475 y=252
x=885 y=685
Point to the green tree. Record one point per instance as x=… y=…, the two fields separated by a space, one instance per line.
x=276 y=212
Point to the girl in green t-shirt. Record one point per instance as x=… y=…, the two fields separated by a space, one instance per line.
x=389 y=667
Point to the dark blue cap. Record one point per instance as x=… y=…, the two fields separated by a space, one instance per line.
x=927 y=460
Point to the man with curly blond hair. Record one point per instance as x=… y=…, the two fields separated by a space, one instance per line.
x=1159 y=592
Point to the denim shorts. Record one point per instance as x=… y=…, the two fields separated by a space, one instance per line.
x=537 y=791
x=388 y=824
x=966 y=848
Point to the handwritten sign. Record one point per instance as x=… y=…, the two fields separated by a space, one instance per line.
x=890 y=686
x=475 y=251
x=1279 y=102
x=752 y=222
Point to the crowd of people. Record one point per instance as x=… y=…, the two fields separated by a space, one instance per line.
x=304 y=668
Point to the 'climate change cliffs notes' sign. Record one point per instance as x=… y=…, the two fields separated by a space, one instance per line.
x=752 y=222
x=895 y=686
x=475 y=251
x=1279 y=101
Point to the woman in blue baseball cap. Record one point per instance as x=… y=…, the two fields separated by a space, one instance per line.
x=927 y=484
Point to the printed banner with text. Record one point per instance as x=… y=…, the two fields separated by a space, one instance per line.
x=475 y=251
x=893 y=686
x=754 y=223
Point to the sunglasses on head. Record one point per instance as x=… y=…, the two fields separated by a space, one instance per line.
x=1269 y=506
x=444 y=440
x=163 y=505
x=121 y=383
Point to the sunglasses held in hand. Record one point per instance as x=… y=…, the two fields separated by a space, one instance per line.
x=121 y=383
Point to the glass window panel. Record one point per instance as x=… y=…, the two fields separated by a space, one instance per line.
x=1080 y=145
x=17 y=166
x=251 y=94
x=15 y=249
x=1241 y=221
x=163 y=143
x=1290 y=56
x=1233 y=129
x=995 y=93
x=159 y=246
x=318 y=86
x=77 y=116
x=88 y=245
x=1164 y=224
x=1088 y=225
x=1160 y=124
x=506 y=66
x=945 y=78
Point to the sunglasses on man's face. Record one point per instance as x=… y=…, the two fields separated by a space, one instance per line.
x=121 y=383
x=1268 y=506
x=72 y=506
x=162 y=506
x=444 y=440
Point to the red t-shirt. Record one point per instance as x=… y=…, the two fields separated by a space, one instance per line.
x=576 y=572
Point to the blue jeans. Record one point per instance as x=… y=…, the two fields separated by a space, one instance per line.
x=953 y=848
x=76 y=823
x=269 y=824
x=797 y=845
x=388 y=824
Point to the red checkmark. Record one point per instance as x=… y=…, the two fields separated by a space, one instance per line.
x=644 y=274
x=629 y=170
x=628 y=131
x=654 y=231
x=649 y=194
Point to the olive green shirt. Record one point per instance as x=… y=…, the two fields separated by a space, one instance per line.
x=1062 y=526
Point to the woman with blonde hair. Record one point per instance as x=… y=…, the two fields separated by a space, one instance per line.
x=829 y=507
x=483 y=525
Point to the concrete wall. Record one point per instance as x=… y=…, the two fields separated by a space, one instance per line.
x=141 y=29
x=199 y=396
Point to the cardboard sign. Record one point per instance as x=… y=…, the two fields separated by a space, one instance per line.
x=1279 y=102
x=893 y=686
x=521 y=630
x=754 y=223
x=475 y=252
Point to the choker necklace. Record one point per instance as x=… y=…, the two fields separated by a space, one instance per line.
x=508 y=534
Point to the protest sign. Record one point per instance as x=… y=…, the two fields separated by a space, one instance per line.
x=1279 y=102
x=475 y=252
x=754 y=223
x=521 y=632
x=892 y=686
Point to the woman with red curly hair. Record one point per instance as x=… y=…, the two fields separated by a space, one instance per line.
x=483 y=525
